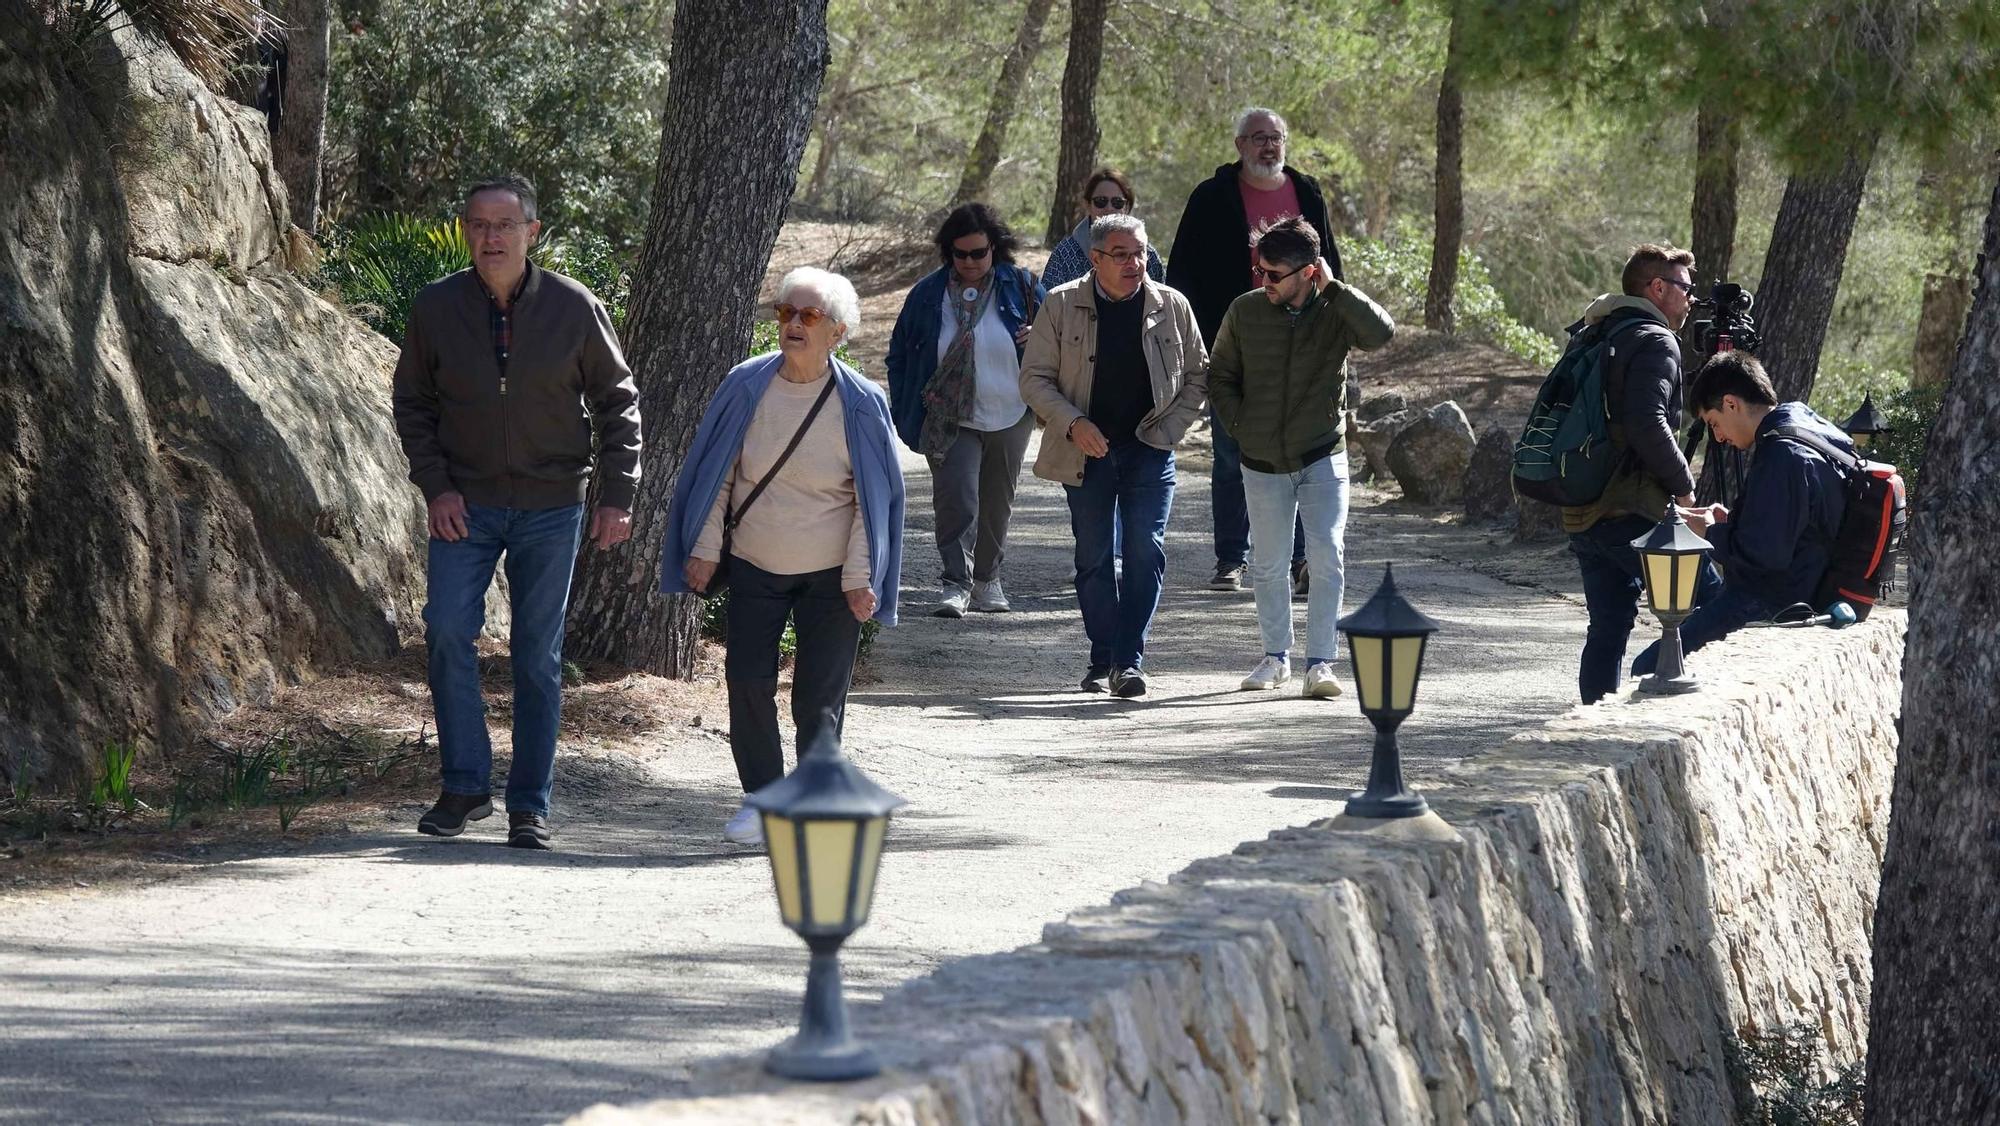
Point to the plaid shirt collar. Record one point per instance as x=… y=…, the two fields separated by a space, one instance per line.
x=501 y=321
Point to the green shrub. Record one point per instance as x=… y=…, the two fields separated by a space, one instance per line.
x=112 y=785
x=1782 y=1069
x=1395 y=271
x=1910 y=413
x=379 y=262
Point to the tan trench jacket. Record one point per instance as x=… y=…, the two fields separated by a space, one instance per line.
x=1060 y=363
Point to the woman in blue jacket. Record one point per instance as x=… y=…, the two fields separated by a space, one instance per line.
x=955 y=389
x=792 y=489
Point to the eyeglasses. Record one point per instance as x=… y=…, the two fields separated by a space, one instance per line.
x=1110 y=202
x=1264 y=138
x=478 y=228
x=1262 y=276
x=807 y=316
x=1120 y=256
x=976 y=253
x=1684 y=287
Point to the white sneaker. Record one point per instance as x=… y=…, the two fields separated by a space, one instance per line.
x=745 y=828
x=1322 y=682
x=953 y=603
x=1269 y=673
x=988 y=598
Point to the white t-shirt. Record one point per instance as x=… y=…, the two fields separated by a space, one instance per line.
x=997 y=402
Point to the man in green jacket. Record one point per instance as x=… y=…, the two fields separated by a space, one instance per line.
x=1278 y=379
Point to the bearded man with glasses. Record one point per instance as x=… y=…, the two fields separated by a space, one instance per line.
x=510 y=377
x=1211 y=262
x=1642 y=387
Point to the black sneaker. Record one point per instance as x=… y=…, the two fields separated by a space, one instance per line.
x=1301 y=579
x=1228 y=576
x=1097 y=679
x=527 y=830
x=448 y=817
x=1128 y=684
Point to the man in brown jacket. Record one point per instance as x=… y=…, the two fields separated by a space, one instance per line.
x=507 y=372
x=1116 y=369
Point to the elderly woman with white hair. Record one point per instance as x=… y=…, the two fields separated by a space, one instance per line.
x=791 y=496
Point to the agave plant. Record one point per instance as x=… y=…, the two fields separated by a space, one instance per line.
x=379 y=262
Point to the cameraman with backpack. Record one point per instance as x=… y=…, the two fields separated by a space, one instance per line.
x=1642 y=389
x=1775 y=546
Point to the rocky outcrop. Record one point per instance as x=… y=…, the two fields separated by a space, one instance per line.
x=1635 y=882
x=1488 y=488
x=1430 y=454
x=1372 y=438
x=200 y=491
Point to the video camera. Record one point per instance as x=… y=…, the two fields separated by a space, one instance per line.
x=1728 y=324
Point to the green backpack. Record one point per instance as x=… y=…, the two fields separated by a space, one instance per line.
x=1565 y=455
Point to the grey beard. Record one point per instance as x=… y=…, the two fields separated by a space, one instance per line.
x=1265 y=171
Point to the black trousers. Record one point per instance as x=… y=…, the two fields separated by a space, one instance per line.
x=822 y=668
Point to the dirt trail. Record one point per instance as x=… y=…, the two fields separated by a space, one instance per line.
x=379 y=976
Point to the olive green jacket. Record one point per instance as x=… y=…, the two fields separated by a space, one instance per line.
x=1278 y=379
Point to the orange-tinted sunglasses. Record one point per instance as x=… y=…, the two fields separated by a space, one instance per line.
x=808 y=316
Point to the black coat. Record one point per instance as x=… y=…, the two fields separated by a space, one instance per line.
x=1210 y=262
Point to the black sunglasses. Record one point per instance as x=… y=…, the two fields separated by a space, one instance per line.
x=1110 y=202
x=1263 y=276
x=1684 y=287
x=976 y=253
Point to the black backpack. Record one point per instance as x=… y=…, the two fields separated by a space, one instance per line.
x=1862 y=561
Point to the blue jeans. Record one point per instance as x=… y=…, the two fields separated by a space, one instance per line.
x=1125 y=499
x=1225 y=498
x=1612 y=588
x=540 y=545
x=1725 y=613
x=1316 y=499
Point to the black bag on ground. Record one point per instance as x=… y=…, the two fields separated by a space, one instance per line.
x=719 y=581
x=1862 y=561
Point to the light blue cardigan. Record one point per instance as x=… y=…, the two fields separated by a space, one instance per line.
x=871 y=444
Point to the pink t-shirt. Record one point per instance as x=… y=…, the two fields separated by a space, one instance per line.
x=1263 y=207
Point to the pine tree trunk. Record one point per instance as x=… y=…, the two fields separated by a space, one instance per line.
x=1450 y=209
x=736 y=125
x=1946 y=299
x=1934 y=1022
x=1718 y=143
x=1803 y=266
x=1000 y=110
x=1079 y=114
x=833 y=106
x=300 y=140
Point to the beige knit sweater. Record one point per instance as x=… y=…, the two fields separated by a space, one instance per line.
x=807 y=520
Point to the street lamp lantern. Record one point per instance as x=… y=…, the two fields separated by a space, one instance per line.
x=1671 y=557
x=824 y=824
x=1386 y=640
x=1865 y=423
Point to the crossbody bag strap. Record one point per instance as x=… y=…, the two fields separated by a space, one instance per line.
x=731 y=519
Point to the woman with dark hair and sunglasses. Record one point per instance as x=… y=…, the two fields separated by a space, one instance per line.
x=793 y=493
x=955 y=387
x=1106 y=191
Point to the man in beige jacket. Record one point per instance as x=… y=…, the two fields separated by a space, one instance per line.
x=1116 y=370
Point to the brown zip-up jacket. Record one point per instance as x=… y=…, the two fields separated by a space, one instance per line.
x=522 y=437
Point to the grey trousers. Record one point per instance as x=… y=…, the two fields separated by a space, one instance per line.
x=972 y=496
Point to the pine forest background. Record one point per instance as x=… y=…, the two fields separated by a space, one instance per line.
x=1568 y=162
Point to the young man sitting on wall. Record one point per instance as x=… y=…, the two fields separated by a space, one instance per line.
x=1773 y=548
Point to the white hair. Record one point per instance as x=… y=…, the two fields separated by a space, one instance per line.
x=1101 y=229
x=1243 y=119
x=842 y=303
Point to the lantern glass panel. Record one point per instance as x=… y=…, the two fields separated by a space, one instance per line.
x=830 y=851
x=1686 y=567
x=1407 y=654
x=781 y=838
x=872 y=831
x=1368 y=671
x=1659 y=581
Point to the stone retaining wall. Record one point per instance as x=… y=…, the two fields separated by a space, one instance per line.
x=1633 y=882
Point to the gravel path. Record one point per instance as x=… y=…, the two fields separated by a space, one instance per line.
x=378 y=976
